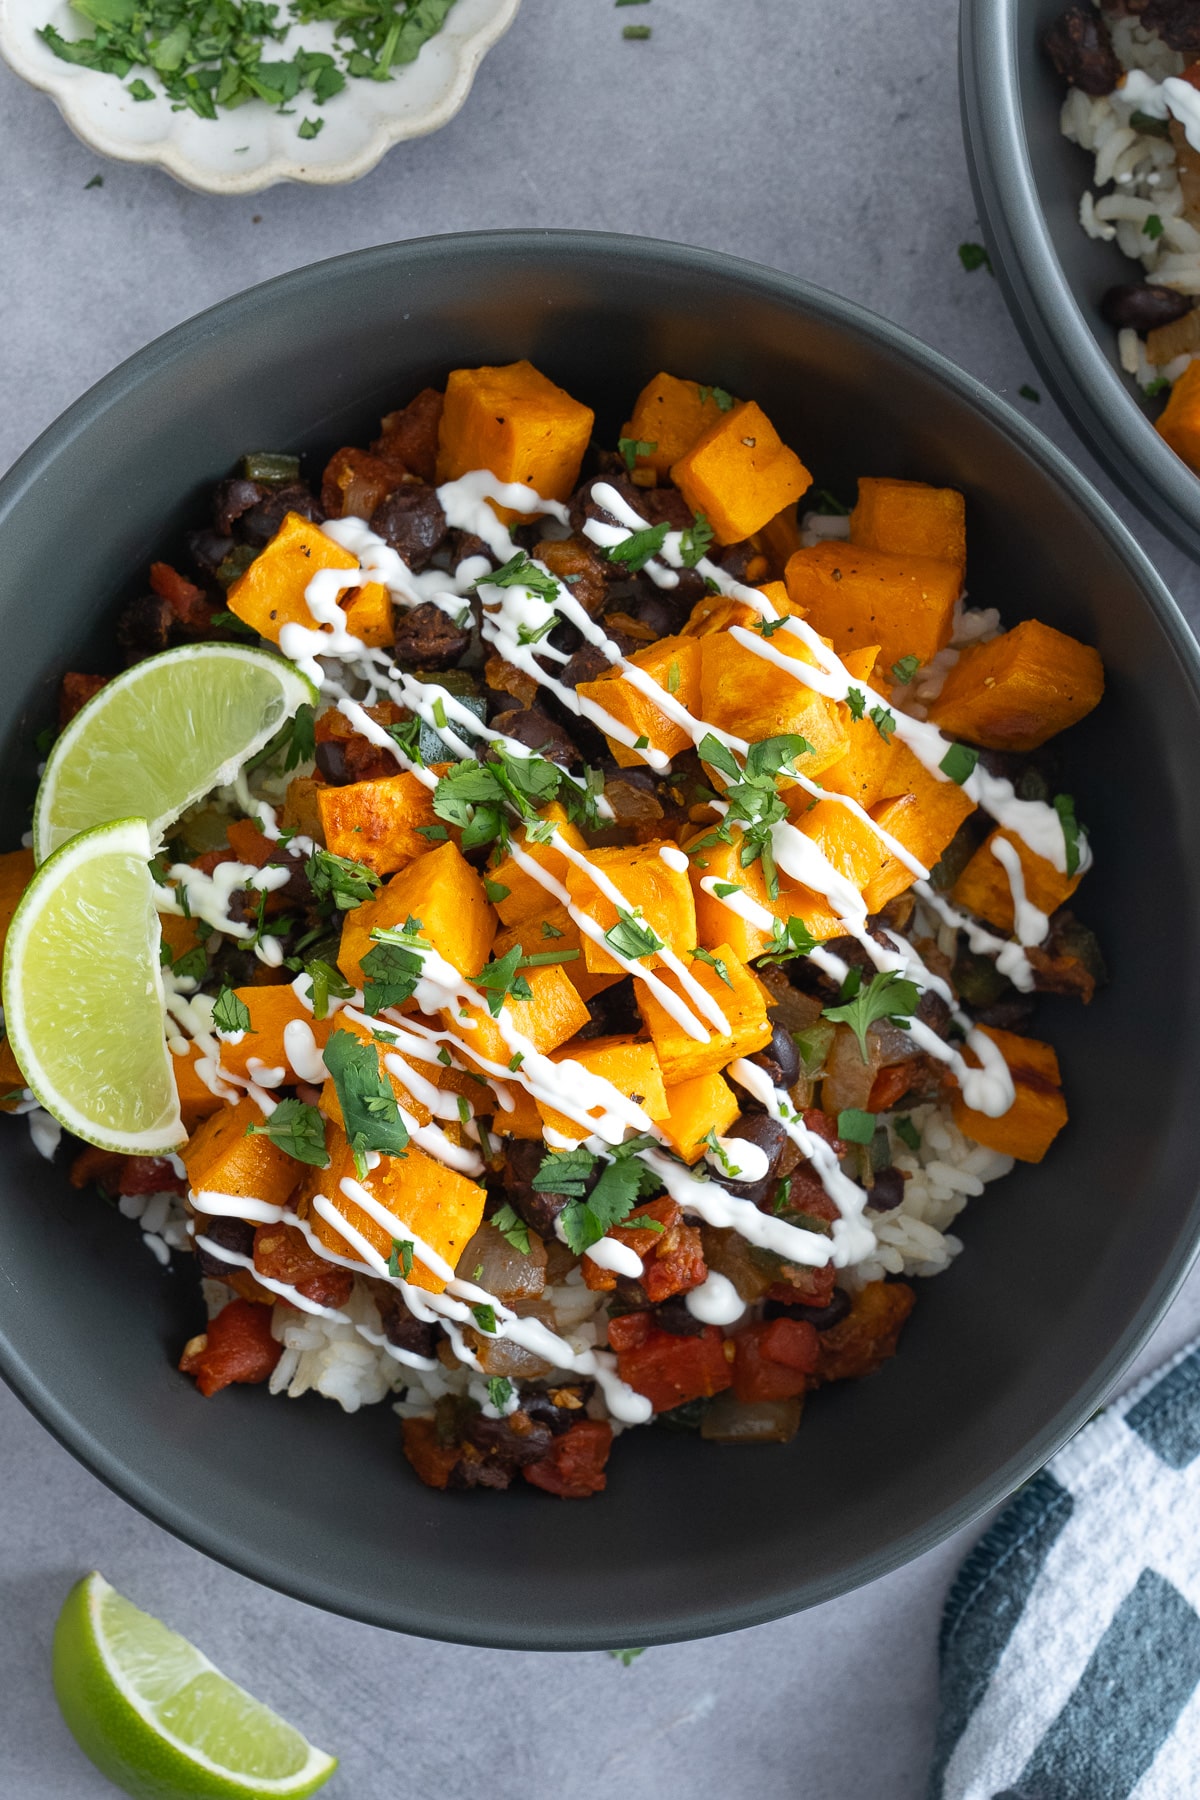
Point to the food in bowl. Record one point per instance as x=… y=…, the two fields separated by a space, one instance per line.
x=618 y=972
x=1133 y=101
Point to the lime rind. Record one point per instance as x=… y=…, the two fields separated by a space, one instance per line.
x=132 y=1691
x=84 y=1005
x=159 y=737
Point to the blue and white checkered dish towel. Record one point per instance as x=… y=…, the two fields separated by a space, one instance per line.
x=1070 y=1647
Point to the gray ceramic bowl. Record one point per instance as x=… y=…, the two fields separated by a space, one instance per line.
x=1028 y=181
x=1067 y=1266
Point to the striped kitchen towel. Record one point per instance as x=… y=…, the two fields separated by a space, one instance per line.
x=1070 y=1646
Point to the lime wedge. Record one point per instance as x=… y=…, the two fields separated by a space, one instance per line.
x=161 y=735
x=157 y=1718
x=83 y=994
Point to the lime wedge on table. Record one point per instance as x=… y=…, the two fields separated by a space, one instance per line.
x=83 y=995
x=157 y=1718
x=161 y=735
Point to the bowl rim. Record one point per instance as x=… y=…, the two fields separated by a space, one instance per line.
x=60 y=83
x=1066 y=349
x=695 y=1618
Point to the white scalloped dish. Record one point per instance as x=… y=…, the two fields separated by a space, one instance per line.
x=254 y=147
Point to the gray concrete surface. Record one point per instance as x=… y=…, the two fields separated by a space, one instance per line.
x=764 y=128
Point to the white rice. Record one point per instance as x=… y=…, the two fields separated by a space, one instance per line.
x=163 y=1219
x=1135 y=178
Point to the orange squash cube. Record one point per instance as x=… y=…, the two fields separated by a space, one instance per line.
x=370 y=616
x=526 y=897
x=196 y=1099
x=694 y=1108
x=984 y=888
x=270 y=594
x=744 y=694
x=662 y=894
x=630 y=1066
x=941 y=806
x=524 y=1121
x=745 y=1008
x=740 y=473
x=425 y=1199
x=910 y=518
x=673 y=663
x=1179 y=421
x=442 y=890
x=16 y=873
x=1023 y=687
x=553 y=1013
x=717 y=923
x=1039 y=1112
x=716 y=613
x=670 y=415
x=272 y=1010
x=222 y=1159
x=562 y=934
x=376 y=822
x=855 y=596
x=516 y=422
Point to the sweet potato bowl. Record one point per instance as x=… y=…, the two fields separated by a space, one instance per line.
x=1067 y=1266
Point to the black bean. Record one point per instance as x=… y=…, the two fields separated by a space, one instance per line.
x=258 y=526
x=1143 y=305
x=820 y=1316
x=232 y=499
x=1177 y=21
x=770 y=1136
x=208 y=550
x=542 y=1409
x=428 y=638
x=672 y=1315
x=402 y=1328
x=522 y=1160
x=229 y=1234
x=411 y=520
x=331 y=761
x=145 y=626
x=887 y=1191
x=498 y=1438
x=537 y=732
x=780 y=1059
x=1079 y=46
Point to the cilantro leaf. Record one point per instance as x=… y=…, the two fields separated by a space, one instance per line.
x=959 y=763
x=632 y=448
x=521 y=571
x=856 y=700
x=631 y=937
x=724 y=401
x=855 y=1126
x=511 y=1225
x=714 y=962
x=371 y=1117
x=623 y=1183
x=500 y=1391
x=392 y=972
x=324 y=980
x=884 y=722
x=974 y=256
x=907 y=1132
x=696 y=540
x=499 y=978
x=906 y=668
x=298 y=1129
x=887 y=995
x=635 y=551
x=400 y=1262
x=565 y=1172
x=230 y=1014
x=485 y=1318
x=340 y=879
x=789 y=938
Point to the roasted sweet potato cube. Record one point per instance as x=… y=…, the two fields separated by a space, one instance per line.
x=662 y=894
x=745 y=1008
x=910 y=518
x=717 y=613
x=526 y=897
x=673 y=663
x=370 y=616
x=272 y=1010
x=744 y=694
x=893 y=876
x=1039 y=1112
x=517 y=423
x=222 y=1159
x=554 y=931
x=670 y=415
x=941 y=807
x=1023 y=687
x=695 y=1107
x=1179 y=421
x=301 y=813
x=442 y=890
x=740 y=473
x=717 y=923
x=855 y=596
x=631 y=1066
x=984 y=887
x=867 y=1337
x=196 y=1099
x=376 y=822
x=864 y=773
x=553 y=1013
x=523 y=1120
x=270 y=594
x=424 y=1203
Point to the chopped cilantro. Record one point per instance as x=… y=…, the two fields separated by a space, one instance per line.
x=829 y=506
x=139 y=90
x=906 y=668
x=500 y=1391
x=230 y=1014
x=1153 y=227
x=856 y=700
x=695 y=541
x=625 y=1657
x=485 y=1318
x=637 y=32
x=723 y=399
x=974 y=256
x=400 y=1262
x=752 y=798
x=632 y=448
x=310 y=128
x=511 y=1226
x=887 y=996
x=340 y=879
x=1029 y=393
x=635 y=551
x=959 y=763
x=499 y=979
x=723 y=889
x=298 y=1129
x=496 y=891
x=549 y=930
x=673 y=678
x=631 y=937
x=856 y=1127
x=521 y=571
x=371 y=1117
x=714 y=962
x=884 y=722
x=392 y=970
x=769 y=627
x=789 y=938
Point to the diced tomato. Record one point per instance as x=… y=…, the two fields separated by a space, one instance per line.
x=119 y=1174
x=186 y=600
x=774 y=1361
x=890 y=1086
x=864 y=1340
x=573 y=1468
x=237 y=1346
x=804 y=1286
x=433 y=1461
x=282 y=1253
x=792 y=1341
x=670 y=1370
x=672 y=1259
x=629 y=1331
x=75 y=690
x=249 y=844
x=212 y=859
